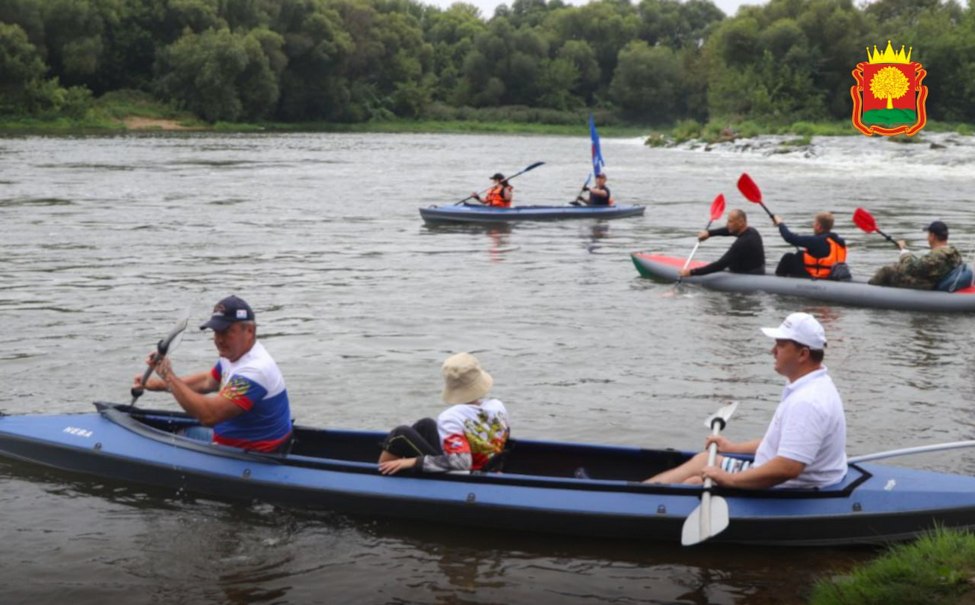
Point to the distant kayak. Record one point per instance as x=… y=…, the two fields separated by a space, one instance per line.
x=855 y=293
x=463 y=213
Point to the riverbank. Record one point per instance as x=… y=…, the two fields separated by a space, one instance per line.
x=938 y=568
x=130 y=111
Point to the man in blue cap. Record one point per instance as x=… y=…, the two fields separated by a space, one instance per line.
x=243 y=397
x=921 y=272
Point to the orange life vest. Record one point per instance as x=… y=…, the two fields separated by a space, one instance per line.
x=495 y=197
x=819 y=268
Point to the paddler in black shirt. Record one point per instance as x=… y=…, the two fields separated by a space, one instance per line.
x=746 y=255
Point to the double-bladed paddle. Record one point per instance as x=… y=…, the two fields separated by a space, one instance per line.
x=576 y=201
x=526 y=169
x=864 y=220
x=162 y=347
x=710 y=518
x=717 y=209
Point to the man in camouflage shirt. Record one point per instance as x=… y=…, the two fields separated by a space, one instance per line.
x=921 y=273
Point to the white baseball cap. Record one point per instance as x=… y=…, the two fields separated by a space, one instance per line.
x=802 y=328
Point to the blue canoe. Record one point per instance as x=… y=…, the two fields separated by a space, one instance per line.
x=541 y=487
x=854 y=293
x=475 y=213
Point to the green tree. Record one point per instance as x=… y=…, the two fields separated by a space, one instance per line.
x=313 y=85
x=20 y=67
x=606 y=25
x=581 y=55
x=388 y=64
x=219 y=75
x=451 y=34
x=646 y=85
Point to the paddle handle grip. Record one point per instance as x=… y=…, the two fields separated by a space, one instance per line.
x=138 y=391
x=161 y=348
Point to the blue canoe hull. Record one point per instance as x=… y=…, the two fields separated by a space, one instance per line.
x=486 y=214
x=537 y=491
x=853 y=293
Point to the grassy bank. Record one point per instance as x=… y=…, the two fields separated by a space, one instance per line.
x=937 y=569
x=126 y=111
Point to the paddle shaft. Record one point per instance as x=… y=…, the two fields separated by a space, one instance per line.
x=693 y=252
x=921 y=449
x=583 y=188
x=705 y=517
x=889 y=238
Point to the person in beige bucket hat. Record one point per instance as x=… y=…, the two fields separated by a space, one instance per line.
x=466 y=436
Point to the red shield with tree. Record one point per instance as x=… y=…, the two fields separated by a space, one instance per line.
x=888 y=97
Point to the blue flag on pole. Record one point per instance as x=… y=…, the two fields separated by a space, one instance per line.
x=597 y=153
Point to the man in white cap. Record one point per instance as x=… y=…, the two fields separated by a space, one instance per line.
x=805 y=444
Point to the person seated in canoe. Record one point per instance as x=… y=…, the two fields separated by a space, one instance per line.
x=824 y=254
x=243 y=397
x=804 y=445
x=746 y=255
x=465 y=436
x=500 y=195
x=599 y=194
x=924 y=272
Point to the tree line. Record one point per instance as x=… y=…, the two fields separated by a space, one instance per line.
x=653 y=62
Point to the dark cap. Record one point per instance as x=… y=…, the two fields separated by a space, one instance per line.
x=497 y=177
x=939 y=229
x=228 y=311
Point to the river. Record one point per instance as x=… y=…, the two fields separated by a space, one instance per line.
x=107 y=241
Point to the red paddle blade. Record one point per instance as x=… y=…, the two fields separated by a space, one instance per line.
x=749 y=189
x=864 y=220
x=717 y=207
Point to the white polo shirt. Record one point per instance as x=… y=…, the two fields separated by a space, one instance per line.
x=809 y=426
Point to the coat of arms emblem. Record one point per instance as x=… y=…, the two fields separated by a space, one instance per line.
x=888 y=97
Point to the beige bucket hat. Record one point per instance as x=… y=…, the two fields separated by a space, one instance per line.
x=463 y=379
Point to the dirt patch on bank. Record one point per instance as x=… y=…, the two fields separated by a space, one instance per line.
x=135 y=123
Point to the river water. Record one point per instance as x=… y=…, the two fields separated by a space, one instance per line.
x=106 y=242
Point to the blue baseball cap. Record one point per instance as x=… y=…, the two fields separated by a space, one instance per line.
x=228 y=311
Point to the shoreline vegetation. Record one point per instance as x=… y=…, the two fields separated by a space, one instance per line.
x=936 y=569
x=129 y=112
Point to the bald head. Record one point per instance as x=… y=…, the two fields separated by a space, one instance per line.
x=737 y=221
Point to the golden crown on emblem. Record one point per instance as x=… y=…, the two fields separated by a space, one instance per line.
x=889 y=56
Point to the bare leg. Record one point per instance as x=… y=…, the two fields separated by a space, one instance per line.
x=685 y=473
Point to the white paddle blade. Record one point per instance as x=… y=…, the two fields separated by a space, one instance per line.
x=724 y=414
x=697 y=528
